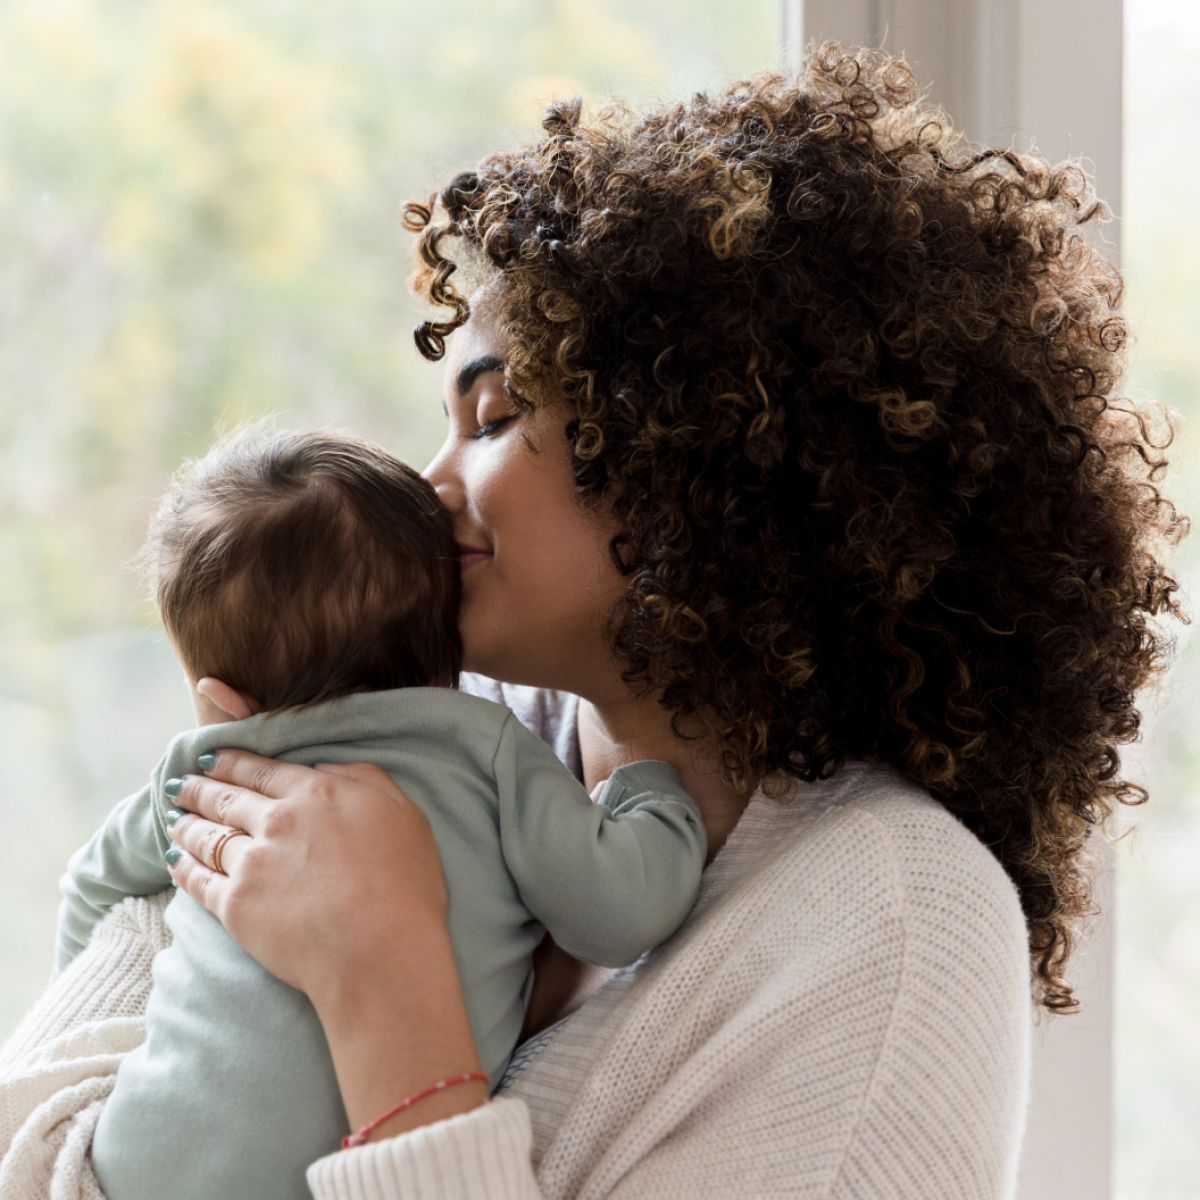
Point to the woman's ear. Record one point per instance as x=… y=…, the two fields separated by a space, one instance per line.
x=237 y=703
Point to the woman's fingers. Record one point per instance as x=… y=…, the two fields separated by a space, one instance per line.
x=204 y=886
x=254 y=773
x=234 y=786
x=238 y=788
x=203 y=840
x=221 y=803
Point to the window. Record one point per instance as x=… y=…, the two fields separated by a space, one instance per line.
x=200 y=223
x=1157 y=1080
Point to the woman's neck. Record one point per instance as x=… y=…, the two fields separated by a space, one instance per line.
x=626 y=728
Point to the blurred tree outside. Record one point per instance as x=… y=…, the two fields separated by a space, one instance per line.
x=199 y=223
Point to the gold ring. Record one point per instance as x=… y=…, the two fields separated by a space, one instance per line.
x=219 y=847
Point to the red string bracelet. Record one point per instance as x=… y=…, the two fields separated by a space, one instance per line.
x=357 y=1139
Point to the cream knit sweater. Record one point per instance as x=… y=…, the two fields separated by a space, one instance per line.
x=845 y=1014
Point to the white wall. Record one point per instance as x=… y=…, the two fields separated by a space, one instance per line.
x=1025 y=72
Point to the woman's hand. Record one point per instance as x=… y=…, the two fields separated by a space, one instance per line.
x=338 y=890
x=333 y=854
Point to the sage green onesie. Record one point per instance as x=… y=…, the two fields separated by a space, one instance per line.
x=233 y=1093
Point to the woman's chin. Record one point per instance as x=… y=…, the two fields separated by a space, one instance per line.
x=497 y=654
x=483 y=652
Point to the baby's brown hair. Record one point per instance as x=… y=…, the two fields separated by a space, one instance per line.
x=303 y=566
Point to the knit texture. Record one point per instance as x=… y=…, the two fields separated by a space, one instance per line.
x=845 y=1015
x=61 y=1062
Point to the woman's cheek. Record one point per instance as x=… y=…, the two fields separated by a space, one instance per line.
x=490 y=626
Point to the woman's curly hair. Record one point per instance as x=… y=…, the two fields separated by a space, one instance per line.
x=849 y=384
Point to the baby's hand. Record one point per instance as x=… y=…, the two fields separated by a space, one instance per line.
x=598 y=790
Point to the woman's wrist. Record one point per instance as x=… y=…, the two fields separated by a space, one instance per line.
x=395 y=1028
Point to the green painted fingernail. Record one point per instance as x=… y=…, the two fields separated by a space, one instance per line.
x=173 y=856
x=206 y=762
x=172 y=787
x=173 y=815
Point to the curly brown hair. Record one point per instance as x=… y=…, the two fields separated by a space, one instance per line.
x=849 y=384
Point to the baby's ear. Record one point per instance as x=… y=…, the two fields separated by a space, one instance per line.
x=238 y=704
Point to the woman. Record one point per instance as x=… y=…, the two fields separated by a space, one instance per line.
x=784 y=447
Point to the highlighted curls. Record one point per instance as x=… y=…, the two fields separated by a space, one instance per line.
x=852 y=388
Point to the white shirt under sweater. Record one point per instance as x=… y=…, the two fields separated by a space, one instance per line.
x=845 y=1014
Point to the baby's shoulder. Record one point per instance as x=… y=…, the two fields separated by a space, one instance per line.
x=550 y=716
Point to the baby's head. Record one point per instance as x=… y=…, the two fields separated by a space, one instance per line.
x=297 y=567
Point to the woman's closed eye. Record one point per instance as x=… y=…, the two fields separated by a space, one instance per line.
x=495 y=409
x=490 y=428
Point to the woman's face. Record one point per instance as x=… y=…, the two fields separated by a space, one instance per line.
x=538 y=579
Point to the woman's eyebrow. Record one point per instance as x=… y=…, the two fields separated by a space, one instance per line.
x=472 y=371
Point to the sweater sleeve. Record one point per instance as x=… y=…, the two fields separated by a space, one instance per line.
x=123 y=858
x=485 y=1154
x=608 y=880
x=60 y=1063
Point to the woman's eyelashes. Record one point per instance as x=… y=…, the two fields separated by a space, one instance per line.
x=492 y=427
x=495 y=411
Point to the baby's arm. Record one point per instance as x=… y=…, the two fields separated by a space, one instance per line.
x=123 y=858
x=608 y=880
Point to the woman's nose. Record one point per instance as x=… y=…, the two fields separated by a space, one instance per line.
x=446 y=483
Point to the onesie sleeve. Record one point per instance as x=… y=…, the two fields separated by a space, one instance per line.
x=123 y=858
x=608 y=880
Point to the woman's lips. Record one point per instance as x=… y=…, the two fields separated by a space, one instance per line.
x=472 y=556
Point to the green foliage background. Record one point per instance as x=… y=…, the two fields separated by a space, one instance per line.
x=199 y=222
x=200 y=207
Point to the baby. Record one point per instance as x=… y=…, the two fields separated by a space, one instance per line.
x=313 y=581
